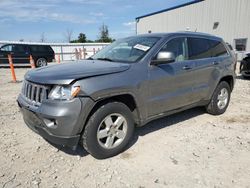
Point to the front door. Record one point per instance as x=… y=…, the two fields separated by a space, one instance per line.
x=5 y=50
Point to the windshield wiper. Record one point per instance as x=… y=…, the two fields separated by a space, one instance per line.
x=105 y=59
x=90 y=58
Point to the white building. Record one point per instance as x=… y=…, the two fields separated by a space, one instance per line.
x=229 y=19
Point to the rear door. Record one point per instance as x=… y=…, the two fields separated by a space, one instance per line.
x=207 y=55
x=171 y=84
x=200 y=53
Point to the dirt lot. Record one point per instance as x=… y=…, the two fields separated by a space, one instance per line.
x=189 y=149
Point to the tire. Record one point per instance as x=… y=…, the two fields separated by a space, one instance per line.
x=41 y=62
x=102 y=136
x=220 y=99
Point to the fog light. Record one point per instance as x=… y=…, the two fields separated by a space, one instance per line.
x=50 y=123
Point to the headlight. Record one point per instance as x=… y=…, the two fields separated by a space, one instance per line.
x=64 y=92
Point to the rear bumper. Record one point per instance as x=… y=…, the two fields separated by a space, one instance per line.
x=59 y=122
x=245 y=68
x=51 y=58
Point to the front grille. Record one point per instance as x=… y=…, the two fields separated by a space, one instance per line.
x=34 y=92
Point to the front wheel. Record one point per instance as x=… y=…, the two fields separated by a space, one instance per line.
x=41 y=62
x=108 y=130
x=220 y=99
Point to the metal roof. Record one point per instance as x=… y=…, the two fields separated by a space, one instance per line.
x=186 y=33
x=171 y=8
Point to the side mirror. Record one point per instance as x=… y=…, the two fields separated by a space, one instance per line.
x=163 y=58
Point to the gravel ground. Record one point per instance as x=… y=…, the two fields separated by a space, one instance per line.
x=189 y=149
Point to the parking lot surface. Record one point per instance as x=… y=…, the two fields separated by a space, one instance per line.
x=188 y=149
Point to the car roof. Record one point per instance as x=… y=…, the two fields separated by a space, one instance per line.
x=185 y=33
x=26 y=44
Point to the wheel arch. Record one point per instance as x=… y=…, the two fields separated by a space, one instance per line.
x=38 y=57
x=229 y=79
x=126 y=99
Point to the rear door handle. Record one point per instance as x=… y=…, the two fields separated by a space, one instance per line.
x=215 y=63
x=186 y=67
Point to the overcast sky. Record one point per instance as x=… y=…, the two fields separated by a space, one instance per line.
x=28 y=19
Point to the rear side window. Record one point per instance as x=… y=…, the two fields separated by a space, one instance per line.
x=218 y=49
x=199 y=48
x=19 y=48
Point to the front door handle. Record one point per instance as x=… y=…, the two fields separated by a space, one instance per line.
x=186 y=67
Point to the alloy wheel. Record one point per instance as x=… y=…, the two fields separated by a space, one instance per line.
x=222 y=98
x=112 y=131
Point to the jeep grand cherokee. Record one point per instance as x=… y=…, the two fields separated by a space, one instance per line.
x=97 y=102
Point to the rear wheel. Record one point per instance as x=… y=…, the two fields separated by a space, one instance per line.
x=220 y=99
x=108 y=130
x=41 y=62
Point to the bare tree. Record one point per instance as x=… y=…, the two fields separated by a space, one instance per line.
x=42 y=37
x=104 y=34
x=68 y=35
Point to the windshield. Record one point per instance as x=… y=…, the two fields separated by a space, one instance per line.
x=129 y=49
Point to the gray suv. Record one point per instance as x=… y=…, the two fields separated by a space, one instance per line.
x=98 y=102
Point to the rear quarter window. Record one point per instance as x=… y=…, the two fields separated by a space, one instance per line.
x=41 y=48
x=218 y=48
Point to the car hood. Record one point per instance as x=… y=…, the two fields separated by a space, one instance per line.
x=67 y=72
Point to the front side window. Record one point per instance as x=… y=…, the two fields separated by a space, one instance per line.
x=178 y=47
x=7 y=48
x=128 y=50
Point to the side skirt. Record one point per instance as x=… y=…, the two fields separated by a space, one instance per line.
x=167 y=113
